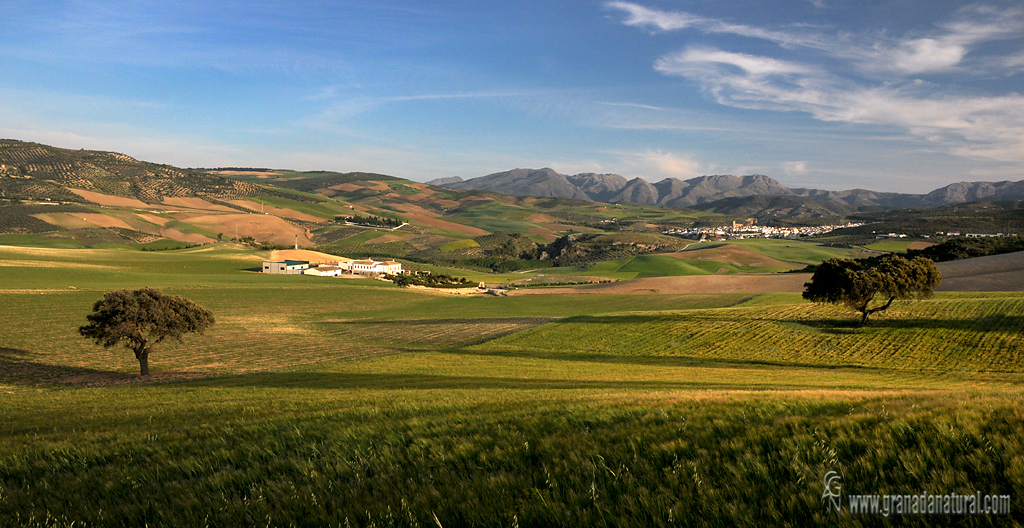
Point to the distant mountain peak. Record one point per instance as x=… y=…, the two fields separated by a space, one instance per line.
x=673 y=192
x=441 y=182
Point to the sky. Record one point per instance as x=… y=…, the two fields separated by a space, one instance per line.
x=893 y=95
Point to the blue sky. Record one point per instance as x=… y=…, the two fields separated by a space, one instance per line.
x=896 y=95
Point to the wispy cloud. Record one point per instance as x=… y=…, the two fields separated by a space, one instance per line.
x=990 y=127
x=944 y=115
x=657 y=164
x=659 y=20
x=943 y=50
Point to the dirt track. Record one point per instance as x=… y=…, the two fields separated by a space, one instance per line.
x=790 y=282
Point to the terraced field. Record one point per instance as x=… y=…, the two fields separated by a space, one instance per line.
x=968 y=332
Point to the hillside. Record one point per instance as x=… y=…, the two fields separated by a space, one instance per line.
x=30 y=171
x=65 y=198
x=993 y=273
x=102 y=199
x=672 y=192
x=779 y=208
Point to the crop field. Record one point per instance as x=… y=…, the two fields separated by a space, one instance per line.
x=334 y=402
x=792 y=250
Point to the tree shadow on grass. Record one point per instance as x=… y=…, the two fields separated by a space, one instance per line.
x=988 y=323
x=1005 y=323
x=401 y=381
x=661 y=361
x=19 y=367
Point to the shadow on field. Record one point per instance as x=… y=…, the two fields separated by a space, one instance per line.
x=630 y=318
x=17 y=367
x=460 y=332
x=988 y=323
x=661 y=361
x=395 y=381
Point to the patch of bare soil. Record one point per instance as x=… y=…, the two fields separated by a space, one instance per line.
x=195 y=238
x=158 y=220
x=385 y=239
x=920 y=245
x=103 y=220
x=196 y=203
x=538 y=218
x=314 y=257
x=66 y=220
x=346 y=187
x=261 y=227
x=106 y=199
x=277 y=211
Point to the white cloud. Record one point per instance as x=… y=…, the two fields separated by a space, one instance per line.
x=986 y=127
x=794 y=168
x=696 y=59
x=925 y=55
x=864 y=79
x=943 y=51
x=655 y=19
x=656 y=165
x=640 y=16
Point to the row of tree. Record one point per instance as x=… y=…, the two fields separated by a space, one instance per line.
x=370 y=220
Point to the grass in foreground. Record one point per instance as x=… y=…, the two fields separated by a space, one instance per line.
x=368 y=405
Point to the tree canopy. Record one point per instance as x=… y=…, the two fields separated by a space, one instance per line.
x=849 y=282
x=141 y=319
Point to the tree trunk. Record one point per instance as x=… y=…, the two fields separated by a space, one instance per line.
x=144 y=364
x=865 y=312
x=142 y=354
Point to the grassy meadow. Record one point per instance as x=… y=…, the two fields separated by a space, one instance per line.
x=337 y=402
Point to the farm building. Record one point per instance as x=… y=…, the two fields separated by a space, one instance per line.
x=286 y=267
x=323 y=271
x=371 y=267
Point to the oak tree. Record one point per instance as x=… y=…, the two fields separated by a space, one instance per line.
x=141 y=319
x=848 y=282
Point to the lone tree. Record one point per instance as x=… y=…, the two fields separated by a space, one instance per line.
x=141 y=319
x=847 y=281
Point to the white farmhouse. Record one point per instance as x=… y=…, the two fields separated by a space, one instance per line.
x=323 y=271
x=371 y=267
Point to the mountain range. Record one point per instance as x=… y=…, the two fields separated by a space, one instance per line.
x=695 y=192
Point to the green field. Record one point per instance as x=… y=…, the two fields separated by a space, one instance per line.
x=792 y=250
x=335 y=402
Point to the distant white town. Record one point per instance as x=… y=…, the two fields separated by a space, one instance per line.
x=752 y=230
